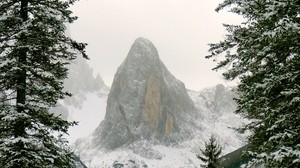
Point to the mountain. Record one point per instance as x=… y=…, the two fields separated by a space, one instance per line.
x=87 y=103
x=145 y=102
x=79 y=83
x=152 y=154
x=222 y=99
x=218 y=101
x=151 y=120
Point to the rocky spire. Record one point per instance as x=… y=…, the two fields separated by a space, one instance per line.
x=145 y=102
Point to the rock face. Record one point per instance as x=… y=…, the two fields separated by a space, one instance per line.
x=218 y=99
x=145 y=102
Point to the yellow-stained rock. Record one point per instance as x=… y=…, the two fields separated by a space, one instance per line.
x=169 y=126
x=152 y=108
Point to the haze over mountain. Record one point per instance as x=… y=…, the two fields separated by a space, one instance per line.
x=151 y=120
x=80 y=81
x=89 y=94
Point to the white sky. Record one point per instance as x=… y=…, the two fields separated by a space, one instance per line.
x=180 y=30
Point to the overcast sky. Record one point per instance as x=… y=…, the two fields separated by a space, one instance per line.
x=180 y=30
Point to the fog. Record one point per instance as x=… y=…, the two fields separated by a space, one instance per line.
x=180 y=29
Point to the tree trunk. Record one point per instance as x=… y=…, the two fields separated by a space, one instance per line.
x=21 y=81
x=19 y=127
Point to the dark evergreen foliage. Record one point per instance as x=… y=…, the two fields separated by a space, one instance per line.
x=263 y=53
x=34 y=52
x=210 y=154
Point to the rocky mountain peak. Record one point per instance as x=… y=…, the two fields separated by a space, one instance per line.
x=143 y=47
x=142 y=57
x=145 y=102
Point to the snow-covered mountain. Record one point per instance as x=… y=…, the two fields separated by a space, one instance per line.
x=151 y=120
x=81 y=81
x=88 y=101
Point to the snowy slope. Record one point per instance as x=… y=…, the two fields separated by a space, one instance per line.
x=90 y=114
x=214 y=121
x=88 y=101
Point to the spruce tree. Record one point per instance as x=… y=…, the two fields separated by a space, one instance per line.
x=264 y=54
x=210 y=154
x=34 y=52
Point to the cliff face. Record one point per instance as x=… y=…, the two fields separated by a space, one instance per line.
x=219 y=99
x=145 y=102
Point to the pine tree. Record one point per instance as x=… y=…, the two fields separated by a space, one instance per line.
x=211 y=153
x=34 y=52
x=264 y=54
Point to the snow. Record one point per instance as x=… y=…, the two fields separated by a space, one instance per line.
x=145 y=43
x=90 y=114
x=88 y=106
x=182 y=155
x=178 y=157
